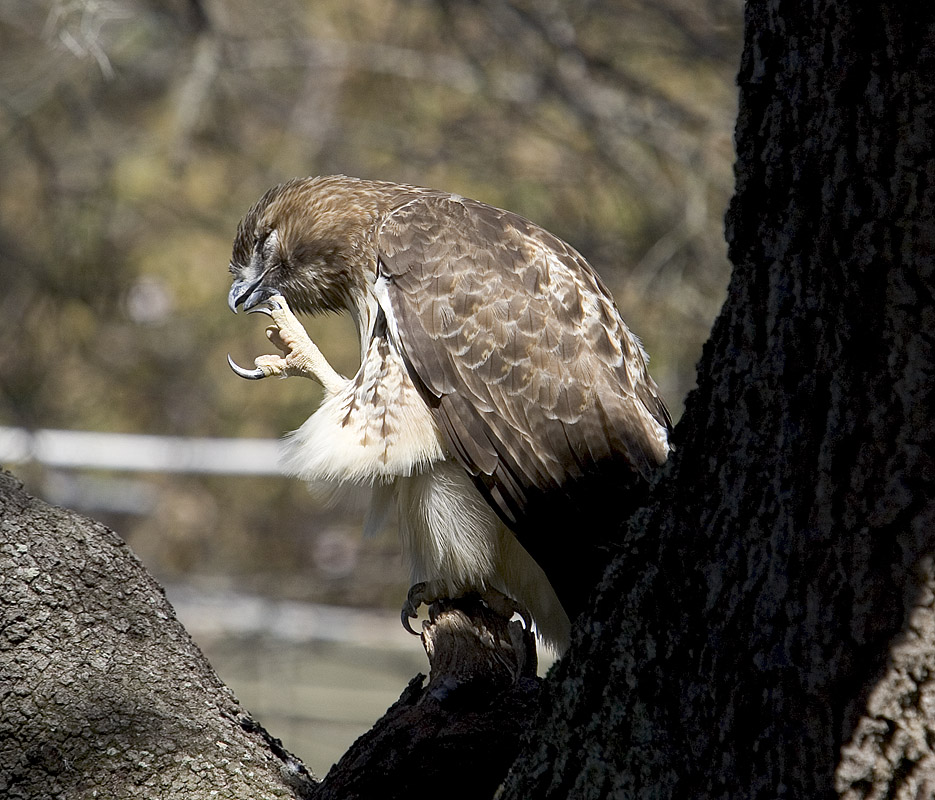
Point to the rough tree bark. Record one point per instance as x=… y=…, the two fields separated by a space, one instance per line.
x=102 y=692
x=774 y=603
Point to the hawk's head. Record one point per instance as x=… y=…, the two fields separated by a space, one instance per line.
x=306 y=240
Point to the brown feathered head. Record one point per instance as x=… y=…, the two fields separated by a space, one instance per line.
x=307 y=240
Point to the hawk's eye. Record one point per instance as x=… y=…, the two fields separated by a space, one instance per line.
x=264 y=244
x=262 y=240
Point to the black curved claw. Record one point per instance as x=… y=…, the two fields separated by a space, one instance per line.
x=260 y=309
x=249 y=374
x=404 y=617
x=411 y=607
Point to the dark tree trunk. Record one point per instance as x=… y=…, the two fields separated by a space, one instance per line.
x=774 y=603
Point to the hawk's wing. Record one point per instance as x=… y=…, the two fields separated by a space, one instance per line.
x=535 y=381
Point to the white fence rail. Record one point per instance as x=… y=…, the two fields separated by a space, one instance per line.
x=131 y=452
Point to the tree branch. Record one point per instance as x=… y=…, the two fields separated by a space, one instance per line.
x=101 y=689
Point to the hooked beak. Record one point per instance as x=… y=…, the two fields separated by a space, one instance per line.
x=249 y=293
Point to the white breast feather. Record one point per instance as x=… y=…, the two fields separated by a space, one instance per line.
x=447 y=528
x=452 y=535
x=376 y=428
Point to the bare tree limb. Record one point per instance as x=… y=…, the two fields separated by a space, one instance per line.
x=102 y=692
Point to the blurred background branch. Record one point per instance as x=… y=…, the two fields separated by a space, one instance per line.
x=135 y=133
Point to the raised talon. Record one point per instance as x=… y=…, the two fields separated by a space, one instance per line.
x=301 y=356
x=258 y=373
x=261 y=309
x=249 y=374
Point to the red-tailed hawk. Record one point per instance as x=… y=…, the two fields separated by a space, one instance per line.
x=501 y=404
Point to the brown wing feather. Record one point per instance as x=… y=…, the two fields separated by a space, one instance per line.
x=535 y=380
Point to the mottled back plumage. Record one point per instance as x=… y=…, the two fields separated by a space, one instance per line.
x=531 y=372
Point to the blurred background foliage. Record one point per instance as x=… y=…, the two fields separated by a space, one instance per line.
x=135 y=133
